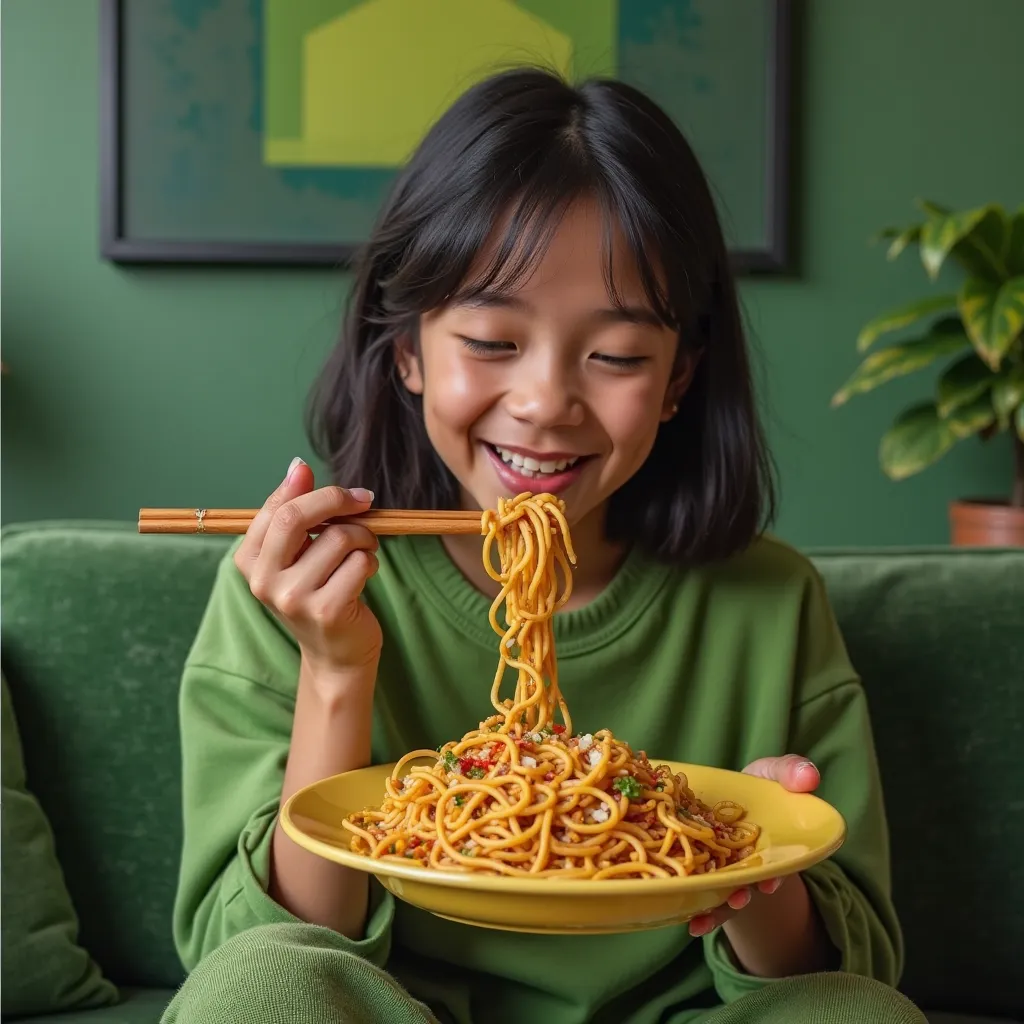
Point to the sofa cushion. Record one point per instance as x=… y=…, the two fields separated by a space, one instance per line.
x=938 y=638
x=44 y=967
x=97 y=622
x=136 y=1006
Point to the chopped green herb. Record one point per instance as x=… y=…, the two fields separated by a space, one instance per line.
x=629 y=786
x=391 y=848
x=460 y=800
x=475 y=773
x=659 y=787
x=684 y=813
x=468 y=851
x=451 y=762
x=495 y=727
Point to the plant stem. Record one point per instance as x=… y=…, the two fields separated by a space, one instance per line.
x=1017 y=496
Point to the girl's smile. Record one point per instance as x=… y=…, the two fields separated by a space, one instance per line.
x=523 y=469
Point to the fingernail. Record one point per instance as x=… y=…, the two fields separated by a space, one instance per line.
x=772 y=885
x=361 y=494
x=801 y=765
x=740 y=899
x=292 y=465
x=700 y=926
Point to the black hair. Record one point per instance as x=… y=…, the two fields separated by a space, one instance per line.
x=525 y=144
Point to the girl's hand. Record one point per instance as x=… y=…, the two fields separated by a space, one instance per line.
x=313 y=586
x=792 y=772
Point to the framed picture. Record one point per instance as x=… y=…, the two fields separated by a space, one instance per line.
x=268 y=131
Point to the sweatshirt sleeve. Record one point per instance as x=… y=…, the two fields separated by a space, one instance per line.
x=236 y=707
x=851 y=890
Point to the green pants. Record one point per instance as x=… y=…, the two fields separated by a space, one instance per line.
x=286 y=973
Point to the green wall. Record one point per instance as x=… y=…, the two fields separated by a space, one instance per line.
x=185 y=386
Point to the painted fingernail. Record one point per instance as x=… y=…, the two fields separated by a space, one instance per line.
x=700 y=926
x=361 y=493
x=772 y=885
x=292 y=466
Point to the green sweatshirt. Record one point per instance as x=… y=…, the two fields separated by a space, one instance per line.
x=718 y=666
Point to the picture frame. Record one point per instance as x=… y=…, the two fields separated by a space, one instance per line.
x=122 y=241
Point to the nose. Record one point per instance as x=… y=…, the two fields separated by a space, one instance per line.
x=545 y=395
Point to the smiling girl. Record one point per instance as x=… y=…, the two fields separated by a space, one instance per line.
x=544 y=305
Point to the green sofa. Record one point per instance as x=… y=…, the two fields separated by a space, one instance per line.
x=97 y=621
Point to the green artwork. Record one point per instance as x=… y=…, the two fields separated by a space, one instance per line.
x=335 y=98
x=270 y=130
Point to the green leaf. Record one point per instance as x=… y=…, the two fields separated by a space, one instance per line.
x=1015 y=243
x=941 y=233
x=993 y=316
x=1020 y=421
x=970 y=418
x=898 y=360
x=902 y=240
x=1008 y=394
x=932 y=209
x=984 y=250
x=917 y=438
x=885 y=234
x=964 y=381
x=901 y=317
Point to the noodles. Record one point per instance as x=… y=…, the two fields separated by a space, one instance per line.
x=522 y=796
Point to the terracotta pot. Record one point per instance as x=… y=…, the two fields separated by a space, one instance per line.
x=986 y=523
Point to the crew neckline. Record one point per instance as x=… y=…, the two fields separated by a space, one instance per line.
x=636 y=584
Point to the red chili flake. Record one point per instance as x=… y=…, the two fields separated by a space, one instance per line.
x=414 y=842
x=549 y=777
x=558 y=728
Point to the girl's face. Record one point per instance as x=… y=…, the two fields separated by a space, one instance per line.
x=548 y=387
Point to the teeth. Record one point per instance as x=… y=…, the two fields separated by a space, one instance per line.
x=531 y=467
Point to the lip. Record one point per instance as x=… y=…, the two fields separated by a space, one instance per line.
x=515 y=482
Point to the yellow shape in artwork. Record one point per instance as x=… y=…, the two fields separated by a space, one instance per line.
x=375 y=78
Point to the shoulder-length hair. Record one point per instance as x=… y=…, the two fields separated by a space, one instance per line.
x=518 y=149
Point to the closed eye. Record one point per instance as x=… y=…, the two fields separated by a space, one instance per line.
x=487 y=348
x=620 y=362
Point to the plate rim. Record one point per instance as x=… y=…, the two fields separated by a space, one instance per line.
x=582 y=887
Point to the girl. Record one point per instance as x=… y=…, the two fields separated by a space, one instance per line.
x=546 y=305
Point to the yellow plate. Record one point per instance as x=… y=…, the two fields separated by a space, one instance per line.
x=797 y=830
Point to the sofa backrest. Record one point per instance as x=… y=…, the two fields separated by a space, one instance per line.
x=97 y=621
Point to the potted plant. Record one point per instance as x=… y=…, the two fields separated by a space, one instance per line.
x=979 y=328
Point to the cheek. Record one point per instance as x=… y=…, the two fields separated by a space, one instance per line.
x=632 y=420
x=456 y=391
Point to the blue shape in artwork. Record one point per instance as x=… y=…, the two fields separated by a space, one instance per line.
x=190 y=12
x=192 y=120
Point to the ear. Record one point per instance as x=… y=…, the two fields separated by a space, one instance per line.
x=409 y=367
x=679 y=384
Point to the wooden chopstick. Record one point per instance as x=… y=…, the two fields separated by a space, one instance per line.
x=384 y=522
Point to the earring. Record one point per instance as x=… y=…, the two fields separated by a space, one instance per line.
x=675 y=408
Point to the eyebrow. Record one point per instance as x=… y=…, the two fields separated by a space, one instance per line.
x=502 y=300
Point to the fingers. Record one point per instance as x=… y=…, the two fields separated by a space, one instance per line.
x=704 y=923
x=325 y=554
x=298 y=480
x=344 y=587
x=792 y=772
x=291 y=523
